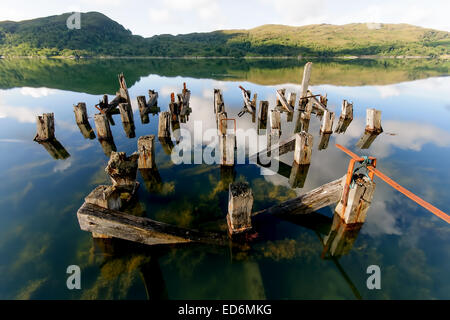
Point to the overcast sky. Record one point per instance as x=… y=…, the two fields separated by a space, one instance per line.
x=151 y=17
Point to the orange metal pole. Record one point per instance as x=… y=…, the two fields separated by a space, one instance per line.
x=411 y=195
x=395 y=185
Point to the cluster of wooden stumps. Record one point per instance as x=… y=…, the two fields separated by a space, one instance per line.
x=101 y=215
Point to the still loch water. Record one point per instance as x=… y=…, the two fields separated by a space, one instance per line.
x=39 y=196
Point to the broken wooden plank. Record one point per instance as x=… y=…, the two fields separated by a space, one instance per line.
x=305 y=82
x=323 y=196
x=120 y=225
x=345 y=118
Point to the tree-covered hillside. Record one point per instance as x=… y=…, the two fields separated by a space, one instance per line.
x=101 y=36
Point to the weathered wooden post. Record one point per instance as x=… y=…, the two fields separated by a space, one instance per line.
x=327 y=123
x=262 y=115
x=143 y=110
x=45 y=127
x=185 y=97
x=345 y=118
x=373 y=121
x=164 y=125
x=123 y=88
x=227 y=145
x=80 y=113
x=222 y=123
x=303 y=147
x=373 y=129
x=126 y=112
x=122 y=170
x=219 y=105
x=102 y=126
x=353 y=206
x=146 y=150
x=292 y=98
x=240 y=203
x=105 y=197
x=302 y=159
x=305 y=83
x=164 y=132
x=275 y=122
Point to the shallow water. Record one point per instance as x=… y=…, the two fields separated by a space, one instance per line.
x=39 y=196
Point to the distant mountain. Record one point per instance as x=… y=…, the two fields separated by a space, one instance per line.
x=101 y=36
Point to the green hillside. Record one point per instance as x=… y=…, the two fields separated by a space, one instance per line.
x=101 y=36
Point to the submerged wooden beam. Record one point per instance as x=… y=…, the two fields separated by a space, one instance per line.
x=94 y=218
x=323 y=196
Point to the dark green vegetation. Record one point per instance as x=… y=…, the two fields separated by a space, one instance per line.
x=101 y=36
x=99 y=76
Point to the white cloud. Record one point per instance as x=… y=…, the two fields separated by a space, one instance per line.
x=37 y=92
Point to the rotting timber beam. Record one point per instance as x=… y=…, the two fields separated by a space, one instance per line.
x=323 y=196
x=113 y=223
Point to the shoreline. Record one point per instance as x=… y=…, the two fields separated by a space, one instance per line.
x=361 y=57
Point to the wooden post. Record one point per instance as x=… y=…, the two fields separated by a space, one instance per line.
x=373 y=121
x=122 y=170
x=303 y=147
x=102 y=126
x=186 y=96
x=143 y=110
x=240 y=203
x=227 y=145
x=128 y=127
x=105 y=197
x=123 y=88
x=305 y=84
x=80 y=113
x=219 y=105
x=164 y=125
x=45 y=127
x=327 y=122
x=146 y=149
x=222 y=124
x=358 y=200
x=126 y=112
x=345 y=118
x=276 y=122
x=262 y=114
